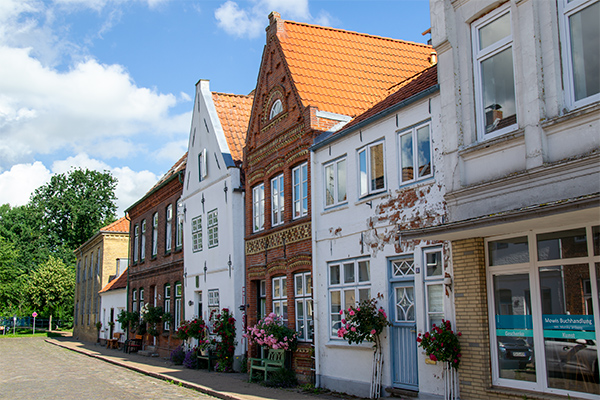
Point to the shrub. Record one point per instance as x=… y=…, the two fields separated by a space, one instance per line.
x=224 y=328
x=441 y=344
x=364 y=322
x=178 y=355
x=191 y=359
x=272 y=333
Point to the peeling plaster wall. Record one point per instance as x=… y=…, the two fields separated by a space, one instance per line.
x=371 y=227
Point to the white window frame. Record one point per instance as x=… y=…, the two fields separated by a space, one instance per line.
x=212 y=228
x=143 y=241
x=179 y=232
x=566 y=10
x=300 y=191
x=169 y=228
x=141 y=300
x=365 y=186
x=279 y=300
x=178 y=301
x=277 y=200
x=531 y=268
x=258 y=208
x=136 y=240
x=276 y=109
x=479 y=56
x=304 y=306
x=413 y=132
x=154 y=234
x=343 y=288
x=202 y=166
x=214 y=302
x=339 y=173
x=167 y=305
x=433 y=281
x=197 y=234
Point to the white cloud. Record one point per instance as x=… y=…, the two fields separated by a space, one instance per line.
x=250 y=21
x=18 y=183
x=172 y=151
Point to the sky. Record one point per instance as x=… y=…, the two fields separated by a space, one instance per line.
x=109 y=84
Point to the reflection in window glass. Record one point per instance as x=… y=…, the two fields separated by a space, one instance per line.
x=564 y=244
x=494 y=31
x=363 y=271
x=508 y=251
x=569 y=333
x=377 y=167
x=406 y=153
x=434 y=263
x=435 y=304
x=334 y=274
x=514 y=327
x=585 y=42
x=423 y=152
x=348 y=273
x=596 y=235
x=498 y=91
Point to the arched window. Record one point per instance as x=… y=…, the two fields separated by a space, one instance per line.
x=276 y=109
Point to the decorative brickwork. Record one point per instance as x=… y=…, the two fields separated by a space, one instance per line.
x=274 y=240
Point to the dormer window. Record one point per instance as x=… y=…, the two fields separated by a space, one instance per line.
x=276 y=109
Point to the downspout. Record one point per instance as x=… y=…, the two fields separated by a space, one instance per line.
x=128 y=268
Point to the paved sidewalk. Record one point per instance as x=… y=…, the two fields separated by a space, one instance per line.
x=228 y=386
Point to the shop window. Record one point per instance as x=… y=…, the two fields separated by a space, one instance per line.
x=300 y=190
x=494 y=75
x=349 y=284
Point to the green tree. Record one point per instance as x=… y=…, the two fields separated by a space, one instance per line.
x=12 y=277
x=73 y=206
x=51 y=288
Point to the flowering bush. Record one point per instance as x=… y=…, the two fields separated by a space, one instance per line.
x=441 y=344
x=191 y=359
x=195 y=328
x=271 y=332
x=178 y=355
x=364 y=322
x=224 y=328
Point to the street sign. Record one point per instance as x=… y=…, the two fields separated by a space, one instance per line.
x=34 y=315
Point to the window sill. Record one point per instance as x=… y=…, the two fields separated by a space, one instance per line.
x=339 y=207
x=582 y=111
x=485 y=144
x=167 y=253
x=370 y=197
x=333 y=344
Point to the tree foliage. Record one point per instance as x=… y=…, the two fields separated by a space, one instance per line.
x=52 y=286
x=74 y=205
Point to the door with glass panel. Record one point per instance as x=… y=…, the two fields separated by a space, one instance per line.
x=404 y=325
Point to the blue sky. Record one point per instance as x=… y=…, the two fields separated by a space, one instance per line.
x=109 y=84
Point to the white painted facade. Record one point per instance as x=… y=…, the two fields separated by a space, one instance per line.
x=212 y=183
x=113 y=302
x=366 y=229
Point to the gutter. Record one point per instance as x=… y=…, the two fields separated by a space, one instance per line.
x=329 y=137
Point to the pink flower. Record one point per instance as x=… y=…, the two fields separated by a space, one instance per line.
x=357 y=308
x=351 y=313
x=343 y=321
x=373 y=331
x=341 y=312
x=353 y=329
x=433 y=357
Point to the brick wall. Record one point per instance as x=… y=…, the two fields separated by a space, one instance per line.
x=154 y=273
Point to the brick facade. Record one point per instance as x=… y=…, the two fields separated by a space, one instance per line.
x=153 y=272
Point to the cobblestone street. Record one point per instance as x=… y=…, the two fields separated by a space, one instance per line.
x=30 y=368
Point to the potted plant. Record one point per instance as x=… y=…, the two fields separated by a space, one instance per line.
x=98 y=326
x=365 y=323
x=224 y=345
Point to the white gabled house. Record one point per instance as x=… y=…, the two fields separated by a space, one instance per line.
x=379 y=175
x=212 y=207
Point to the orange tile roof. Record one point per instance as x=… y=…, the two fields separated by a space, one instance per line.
x=118 y=283
x=234 y=114
x=343 y=72
x=398 y=93
x=120 y=225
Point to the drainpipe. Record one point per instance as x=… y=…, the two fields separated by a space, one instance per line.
x=128 y=268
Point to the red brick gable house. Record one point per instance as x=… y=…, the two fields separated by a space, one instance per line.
x=156 y=256
x=312 y=80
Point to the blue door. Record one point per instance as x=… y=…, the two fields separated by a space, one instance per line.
x=404 y=325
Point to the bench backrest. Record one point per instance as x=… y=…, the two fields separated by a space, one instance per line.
x=276 y=356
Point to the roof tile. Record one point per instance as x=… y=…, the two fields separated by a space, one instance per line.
x=234 y=114
x=120 y=225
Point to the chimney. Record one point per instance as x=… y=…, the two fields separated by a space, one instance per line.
x=275 y=24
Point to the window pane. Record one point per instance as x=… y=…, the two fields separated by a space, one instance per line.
x=283 y=287
x=406 y=152
x=348 y=273
x=564 y=244
x=329 y=185
x=334 y=274
x=309 y=318
x=498 y=91
x=336 y=302
x=377 y=167
x=308 y=284
x=335 y=312
x=585 y=42
x=423 y=151
x=434 y=263
x=349 y=298
x=514 y=327
x=364 y=294
x=362 y=161
x=276 y=289
x=508 y=251
x=569 y=333
x=596 y=235
x=364 y=273
x=299 y=289
x=494 y=31
x=300 y=319
x=341 y=180
x=435 y=298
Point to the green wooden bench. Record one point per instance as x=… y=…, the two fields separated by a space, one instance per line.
x=209 y=358
x=275 y=360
